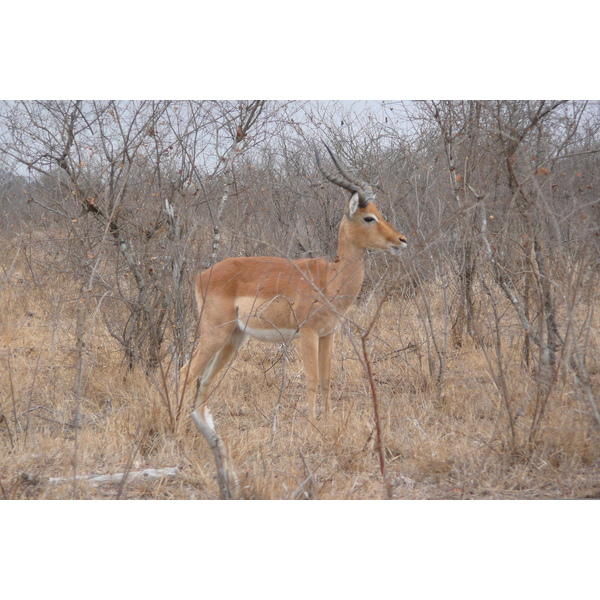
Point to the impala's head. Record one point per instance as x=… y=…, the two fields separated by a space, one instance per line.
x=368 y=229
x=366 y=226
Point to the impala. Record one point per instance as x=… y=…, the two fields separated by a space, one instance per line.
x=276 y=299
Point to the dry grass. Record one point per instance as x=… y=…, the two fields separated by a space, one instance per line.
x=444 y=437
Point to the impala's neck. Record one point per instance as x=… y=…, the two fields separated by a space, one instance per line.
x=349 y=265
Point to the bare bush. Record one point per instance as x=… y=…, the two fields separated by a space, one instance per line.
x=484 y=353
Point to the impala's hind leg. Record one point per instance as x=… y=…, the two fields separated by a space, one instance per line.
x=214 y=349
x=220 y=360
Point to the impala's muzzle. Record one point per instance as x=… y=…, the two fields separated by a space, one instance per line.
x=396 y=249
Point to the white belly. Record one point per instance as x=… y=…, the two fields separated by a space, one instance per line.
x=270 y=336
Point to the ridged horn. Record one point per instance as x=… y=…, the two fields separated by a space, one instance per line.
x=343 y=169
x=345 y=180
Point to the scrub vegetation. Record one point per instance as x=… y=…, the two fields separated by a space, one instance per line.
x=481 y=338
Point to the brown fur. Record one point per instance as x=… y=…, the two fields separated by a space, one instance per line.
x=276 y=299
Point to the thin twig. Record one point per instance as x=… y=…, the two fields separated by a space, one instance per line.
x=379 y=440
x=310 y=479
x=132 y=454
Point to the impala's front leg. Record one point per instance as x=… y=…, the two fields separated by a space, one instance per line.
x=309 y=343
x=325 y=344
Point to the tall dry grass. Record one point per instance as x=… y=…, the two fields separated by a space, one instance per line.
x=446 y=431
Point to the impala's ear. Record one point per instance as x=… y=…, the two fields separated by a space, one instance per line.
x=353 y=205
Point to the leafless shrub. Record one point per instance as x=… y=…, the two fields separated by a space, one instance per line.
x=487 y=334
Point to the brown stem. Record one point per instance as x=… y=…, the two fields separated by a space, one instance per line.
x=379 y=440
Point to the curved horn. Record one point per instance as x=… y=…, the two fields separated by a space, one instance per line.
x=348 y=175
x=346 y=181
x=341 y=182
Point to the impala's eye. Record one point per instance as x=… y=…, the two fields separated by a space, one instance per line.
x=369 y=219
